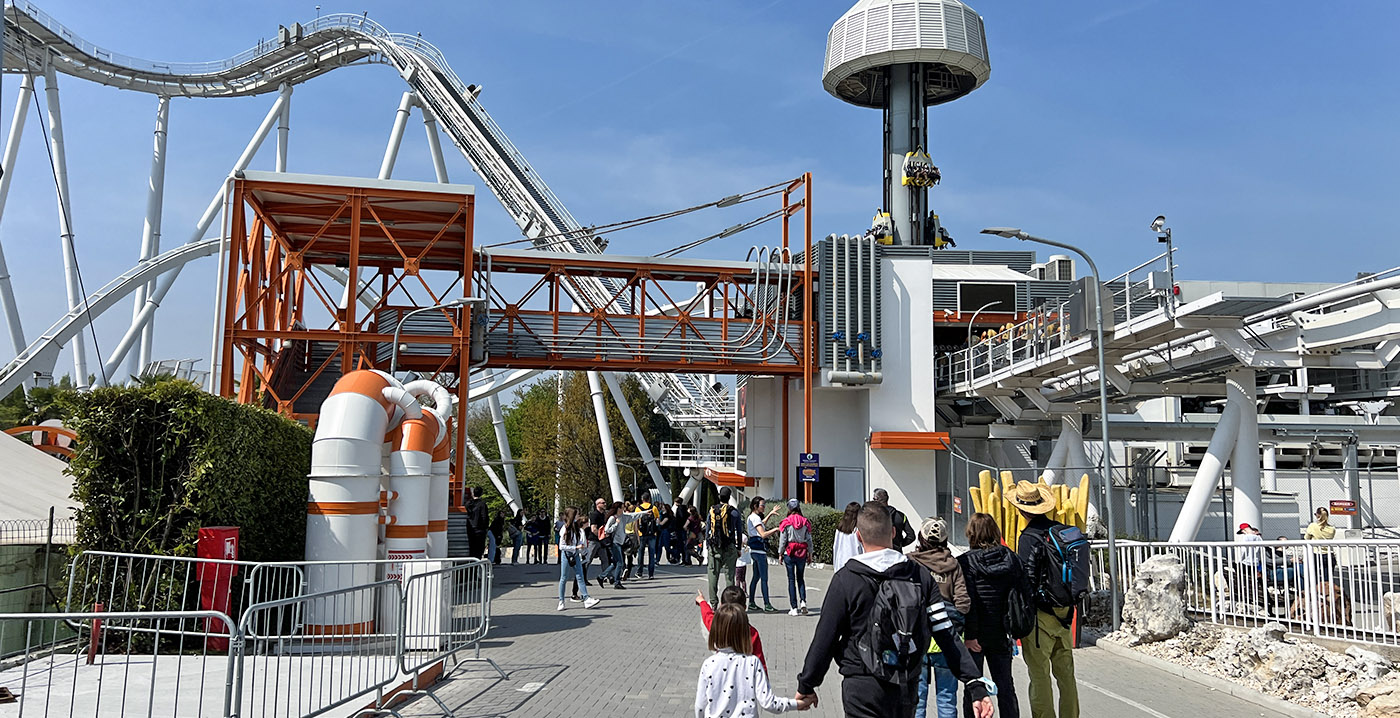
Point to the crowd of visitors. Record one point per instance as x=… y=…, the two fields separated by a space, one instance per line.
x=907 y=632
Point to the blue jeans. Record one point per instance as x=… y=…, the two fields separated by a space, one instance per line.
x=668 y=546
x=797 y=579
x=491 y=541
x=646 y=556
x=945 y=688
x=575 y=571
x=614 y=569
x=760 y=576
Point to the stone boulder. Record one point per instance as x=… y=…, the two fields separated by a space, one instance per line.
x=1381 y=699
x=1098 y=608
x=1154 y=608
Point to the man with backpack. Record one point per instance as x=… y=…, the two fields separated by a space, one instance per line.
x=880 y=612
x=725 y=534
x=1056 y=559
x=649 y=530
x=903 y=532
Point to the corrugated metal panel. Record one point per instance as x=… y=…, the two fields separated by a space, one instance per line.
x=1019 y=261
x=931 y=31
x=975 y=272
x=877 y=29
x=1047 y=292
x=904 y=32
x=838 y=276
x=956 y=29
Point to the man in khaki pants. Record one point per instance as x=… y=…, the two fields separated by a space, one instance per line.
x=1049 y=649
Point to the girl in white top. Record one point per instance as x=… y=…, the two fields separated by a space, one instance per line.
x=844 y=545
x=756 y=549
x=732 y=682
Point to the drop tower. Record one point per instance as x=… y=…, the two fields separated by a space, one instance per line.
x=902 y=57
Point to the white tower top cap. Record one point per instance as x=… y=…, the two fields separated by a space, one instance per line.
x=945 y=35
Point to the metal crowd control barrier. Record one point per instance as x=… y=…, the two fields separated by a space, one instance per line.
x=98 y=663
x=303 y=672
x=130 y=645
x=1345 y=590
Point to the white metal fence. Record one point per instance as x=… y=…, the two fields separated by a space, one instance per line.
x=1347 y=590
x=138 y=636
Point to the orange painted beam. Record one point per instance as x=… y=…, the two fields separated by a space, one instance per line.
x=910 y=440
x=729 y=478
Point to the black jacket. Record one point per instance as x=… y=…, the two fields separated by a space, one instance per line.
x=477 y=518
x=990 y=574
x=903 y=532
x=845 y=611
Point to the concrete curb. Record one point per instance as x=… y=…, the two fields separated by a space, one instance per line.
x=1244 y=693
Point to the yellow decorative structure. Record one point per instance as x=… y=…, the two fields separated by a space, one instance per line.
x=991 y=497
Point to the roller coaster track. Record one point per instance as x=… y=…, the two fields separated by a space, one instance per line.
x=301 y=53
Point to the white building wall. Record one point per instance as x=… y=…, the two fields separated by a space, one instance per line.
x=903 y=401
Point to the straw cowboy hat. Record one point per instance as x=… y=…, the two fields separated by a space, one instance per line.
x=1032 y=498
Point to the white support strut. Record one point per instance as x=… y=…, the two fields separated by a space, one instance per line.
x=65 y=220
x=150 y=232
x=7 y=291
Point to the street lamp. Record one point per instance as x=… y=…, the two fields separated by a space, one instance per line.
x=449 y=304
x=1013 y=233
x=1164 y=235
x=973 y=320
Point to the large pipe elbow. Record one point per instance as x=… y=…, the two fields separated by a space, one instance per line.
x=442 y=398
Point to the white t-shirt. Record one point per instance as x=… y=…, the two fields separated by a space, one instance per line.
x=755 y=521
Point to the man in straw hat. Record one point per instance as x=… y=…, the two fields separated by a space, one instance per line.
x=1049 y=648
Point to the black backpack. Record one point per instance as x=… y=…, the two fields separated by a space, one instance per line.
x=1020 y=612
x=898 y=632
x=1063 y=563
x=647 y=523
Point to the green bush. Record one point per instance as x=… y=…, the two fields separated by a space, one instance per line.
x=824 y=520
x=155 y=463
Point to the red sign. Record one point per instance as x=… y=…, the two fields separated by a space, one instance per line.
x=215 y=579
x=957 y=504
x=1342 y=507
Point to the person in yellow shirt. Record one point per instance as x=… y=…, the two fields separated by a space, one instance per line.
x=1321 y=530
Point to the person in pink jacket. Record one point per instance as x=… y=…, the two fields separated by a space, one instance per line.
x=795 y=550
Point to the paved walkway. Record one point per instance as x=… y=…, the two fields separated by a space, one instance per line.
x=638 y=653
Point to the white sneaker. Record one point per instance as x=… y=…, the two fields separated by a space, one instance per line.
x=561 y=606
x=793 y=612
x=590 y=602
x=802 y=607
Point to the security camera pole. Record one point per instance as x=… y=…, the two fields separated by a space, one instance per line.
x=1013 y=233
x=1164 y=234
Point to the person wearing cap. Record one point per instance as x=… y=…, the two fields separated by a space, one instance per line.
x=932 y=553
x=903 y=532
x=1049 y=649
x=795 y=550
x=1251 y=562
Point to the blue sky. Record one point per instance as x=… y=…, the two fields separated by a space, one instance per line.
x=1265 y=131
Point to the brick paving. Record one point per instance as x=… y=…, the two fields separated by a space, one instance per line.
x=639 y=651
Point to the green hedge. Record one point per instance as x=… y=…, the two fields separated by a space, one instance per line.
x=824 y=520
x=155 y=463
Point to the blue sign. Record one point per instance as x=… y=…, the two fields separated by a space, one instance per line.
x=807 y=467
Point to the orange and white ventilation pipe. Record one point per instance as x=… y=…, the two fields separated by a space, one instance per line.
x=439 y=475
x=365 y=410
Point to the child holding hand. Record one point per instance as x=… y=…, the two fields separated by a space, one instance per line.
x=733 y=682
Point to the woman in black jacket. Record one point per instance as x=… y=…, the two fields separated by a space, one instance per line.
x=991 y=571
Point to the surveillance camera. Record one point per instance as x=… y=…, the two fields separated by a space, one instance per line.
x=1159 y=223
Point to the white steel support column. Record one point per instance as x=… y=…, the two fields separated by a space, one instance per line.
x=638 y=439
x=7 y=291
x=1351 y=471
x=511 y=501
x=205 y=221
x=1271 y=467
x=498 y=422
x=600 y=413
x=391 y=152
x=435 y=145
x=65 y=221
x=1193 y=510
x=150 y=232
x=1056 y=463
x=1244 y=461
x=284 y=128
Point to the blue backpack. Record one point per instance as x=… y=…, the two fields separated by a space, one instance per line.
x=1063 y=567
